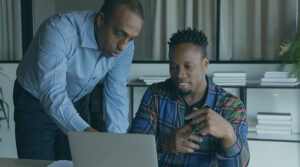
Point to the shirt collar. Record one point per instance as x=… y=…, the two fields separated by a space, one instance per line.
x=87 y=34
x=211 y=94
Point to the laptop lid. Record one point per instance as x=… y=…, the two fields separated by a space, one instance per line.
x=96 y=149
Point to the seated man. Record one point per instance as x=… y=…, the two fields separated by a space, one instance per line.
x=195 y=122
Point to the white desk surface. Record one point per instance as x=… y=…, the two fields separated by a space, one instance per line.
x=12 y=162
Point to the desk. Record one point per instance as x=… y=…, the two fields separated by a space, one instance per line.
x=12 y=162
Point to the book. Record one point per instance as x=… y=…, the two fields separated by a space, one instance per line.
x=279 y=84
x=278 y=132
x=231 y=83
x=154 y=78
x=275 y=122
x=276 y=74
x=230 y=74
x=273 y=127
x=272 y=80
x=225 y=79
x=154 y=81
x=274 y=116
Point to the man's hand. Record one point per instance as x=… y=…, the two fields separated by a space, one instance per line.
x=180 y=140
x=90 y=129
x=209 y=122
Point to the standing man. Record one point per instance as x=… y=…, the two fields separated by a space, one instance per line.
x=69 y=55
x=195 y=122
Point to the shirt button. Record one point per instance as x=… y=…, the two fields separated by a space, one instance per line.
x=94 y=77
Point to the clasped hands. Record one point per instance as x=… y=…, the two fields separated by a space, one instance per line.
x=207 y=121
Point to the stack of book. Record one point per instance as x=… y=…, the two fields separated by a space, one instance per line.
x=148 y=80
x=230 y=78
x=276 y=78
x=274 y=123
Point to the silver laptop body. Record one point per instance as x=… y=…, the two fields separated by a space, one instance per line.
x=96 y=149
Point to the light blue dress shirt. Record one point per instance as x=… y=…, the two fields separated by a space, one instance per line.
x=63 y=64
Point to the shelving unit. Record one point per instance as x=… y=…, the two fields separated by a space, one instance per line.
x=295 y=137
x=243 y=95
x=243 y=89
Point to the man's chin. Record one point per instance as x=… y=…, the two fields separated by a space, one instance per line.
x=186 y=92
x=107 y=55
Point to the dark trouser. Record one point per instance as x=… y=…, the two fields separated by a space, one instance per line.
x=37 y=136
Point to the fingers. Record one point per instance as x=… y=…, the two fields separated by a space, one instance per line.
x=203 y=128
x=196 y=113
x=186 y=128
x=187 y=146
x=183 y=141
x=195 y=138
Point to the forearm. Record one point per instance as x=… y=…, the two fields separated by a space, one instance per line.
x=230 y=137
x=116 y=108
x=236 y=155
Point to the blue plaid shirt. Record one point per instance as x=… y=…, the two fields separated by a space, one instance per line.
x=162 y=110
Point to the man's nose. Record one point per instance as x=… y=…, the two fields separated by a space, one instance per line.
x=181 y=73
x=122 y=44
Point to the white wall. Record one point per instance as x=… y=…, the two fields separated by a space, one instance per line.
x=8 y=146
x=274 y=154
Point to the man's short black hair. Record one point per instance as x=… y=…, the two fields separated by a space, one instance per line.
x=189 y=35
x=109 y=6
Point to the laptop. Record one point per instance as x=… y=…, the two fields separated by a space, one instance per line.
x=97 y=149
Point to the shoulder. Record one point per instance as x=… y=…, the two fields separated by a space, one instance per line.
x=227 y=104
x=226 y=98
x=159 y=91
x=71 y=23
x=165 y=88
x=222 y=96
x=74 y=18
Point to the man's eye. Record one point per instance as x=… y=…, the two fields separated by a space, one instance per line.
x=188 y=67
x=119 y=34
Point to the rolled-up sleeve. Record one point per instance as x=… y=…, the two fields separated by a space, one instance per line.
x=238 y=154
x=52 y=67
x=115 y=92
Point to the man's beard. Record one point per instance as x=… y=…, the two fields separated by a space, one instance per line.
x=185 y=93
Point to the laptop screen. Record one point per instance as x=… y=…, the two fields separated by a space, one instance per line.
x=96 y=149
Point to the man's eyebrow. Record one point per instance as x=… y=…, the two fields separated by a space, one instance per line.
x=122 y=31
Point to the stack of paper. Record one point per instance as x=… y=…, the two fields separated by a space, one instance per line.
x=230 y=78
x=274 y=123
x=276 y=78
x=148 y=80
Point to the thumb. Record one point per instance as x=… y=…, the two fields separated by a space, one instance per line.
x=186 y=128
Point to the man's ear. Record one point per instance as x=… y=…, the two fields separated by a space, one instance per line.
x=205 y=63
x=100 y=19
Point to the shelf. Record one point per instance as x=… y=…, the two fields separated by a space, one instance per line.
x=142 y=84
x=248 y=85
x=271 y=87
x=295 y=137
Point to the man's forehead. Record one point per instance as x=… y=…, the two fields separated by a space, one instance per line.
x=127 y=21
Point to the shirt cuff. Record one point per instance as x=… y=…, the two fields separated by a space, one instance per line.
x=230 y=152
x=160 y=143
x=77 y=124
